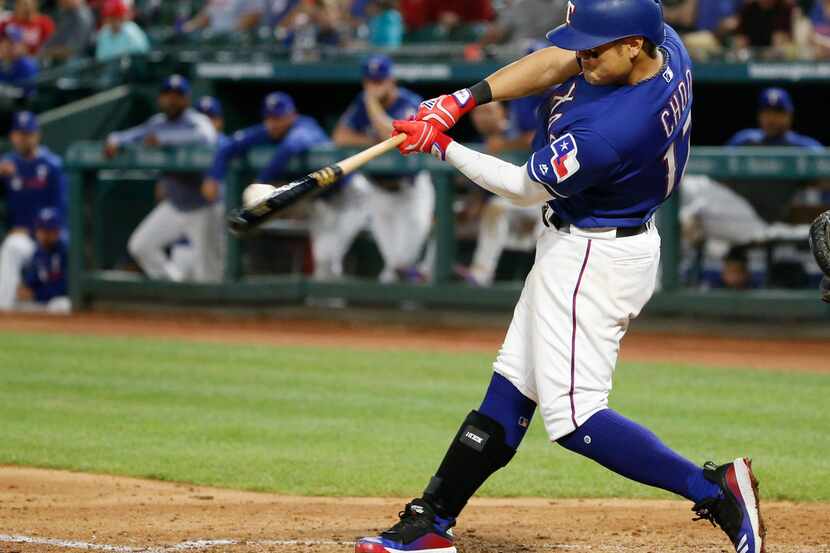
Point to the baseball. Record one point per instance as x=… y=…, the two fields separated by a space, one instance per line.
x=255 y=193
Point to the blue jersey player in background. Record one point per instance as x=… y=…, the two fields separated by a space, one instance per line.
x=775 y=123
x=45 y=278
x=336 y=215
x=32 y=178
x=401 y=204
x=613 y=146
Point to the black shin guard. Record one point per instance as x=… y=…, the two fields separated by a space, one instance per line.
x=478 y=450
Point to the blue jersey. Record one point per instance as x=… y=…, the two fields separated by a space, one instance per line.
x=17 y=77
x=303 y=134
x=523 y=115
x=46 y=274
x=756 y=137
x=37 y=183
x=357 y=118
x=610 y=155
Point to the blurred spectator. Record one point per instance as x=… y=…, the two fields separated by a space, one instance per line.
x=775 y=119
x=385 y=24
x=73 y=34
x=401 y=204
x=45 y=277
x=279 y=13
x=704 y=25
x=36 y=27
x=765 y=24
x=227 y=16
x=33 y=178
x=182 y=208
x=336 y=215
x=525 y=20
x=17 y=69
x=446 y=18
x=119 y=36
x=820 y=20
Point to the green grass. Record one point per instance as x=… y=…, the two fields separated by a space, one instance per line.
x=348 y=422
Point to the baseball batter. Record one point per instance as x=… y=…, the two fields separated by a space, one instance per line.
x=401 y=204
x=614 y=147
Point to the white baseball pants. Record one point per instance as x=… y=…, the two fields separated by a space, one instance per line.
x=401 y=221
x=166 y=224
x=562 y=344
x=334 y=223
x=17 y=250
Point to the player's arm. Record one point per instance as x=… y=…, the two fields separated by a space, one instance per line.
x=491 y=173
x=237 y=146
x=378 y=117
x=527 y=76
x=346 y=132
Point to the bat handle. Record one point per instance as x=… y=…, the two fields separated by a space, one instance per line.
x=350 y=164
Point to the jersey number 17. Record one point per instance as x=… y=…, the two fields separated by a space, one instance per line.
x=677 y=156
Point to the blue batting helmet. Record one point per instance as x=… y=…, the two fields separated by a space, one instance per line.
x=592 y=23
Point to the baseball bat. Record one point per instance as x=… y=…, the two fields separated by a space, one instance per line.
x=243 y=220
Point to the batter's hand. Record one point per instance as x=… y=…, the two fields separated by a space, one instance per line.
x=421 y=137
x=445 y=111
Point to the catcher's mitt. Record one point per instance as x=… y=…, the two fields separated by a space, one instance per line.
x=820 y=244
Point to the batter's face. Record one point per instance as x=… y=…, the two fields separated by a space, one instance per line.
x=775 y=122
x=25 y=143
x=610 y=63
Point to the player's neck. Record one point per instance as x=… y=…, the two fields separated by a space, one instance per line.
x=645 y=67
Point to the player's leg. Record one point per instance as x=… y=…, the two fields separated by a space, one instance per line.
x=201 y=229
x=493 y=230
x=615 y=280
x=417 y=210
x=17 y=250
x=384 y=211
x=485 y=442
x=146 y=244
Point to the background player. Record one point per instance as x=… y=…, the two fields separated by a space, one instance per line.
x=401 y=204
x=775 y=124
x=613 y=146
x=337 y=215
x=33 y=178
x=182 y=208
x=45 y=277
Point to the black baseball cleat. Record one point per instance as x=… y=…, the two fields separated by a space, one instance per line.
x=420 y=530
x=737 y=511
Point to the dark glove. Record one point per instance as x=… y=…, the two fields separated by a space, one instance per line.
x=820 y=245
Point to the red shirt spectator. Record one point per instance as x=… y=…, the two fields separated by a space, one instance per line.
x=36 y=27
x=417 y=13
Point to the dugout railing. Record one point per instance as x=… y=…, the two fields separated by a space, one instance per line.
x=89 y=172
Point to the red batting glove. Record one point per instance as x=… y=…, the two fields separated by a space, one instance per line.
x=445 y=111
x=421 y=137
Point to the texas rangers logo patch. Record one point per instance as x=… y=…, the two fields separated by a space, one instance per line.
x=564 y=159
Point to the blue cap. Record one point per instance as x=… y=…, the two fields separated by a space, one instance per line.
x=592 y=23
x=377 y=68
x=277 y=104
x=25 y=121
x=48 y=218
x=13 y=33
x=775 y=98
x=210 y=106
x=176 y=83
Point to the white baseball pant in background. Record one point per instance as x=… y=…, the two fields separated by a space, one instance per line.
x=401 y=221
x=17 y=250
x=502 y=225
x=166 y=224
x=334 y=222
x=562 y=344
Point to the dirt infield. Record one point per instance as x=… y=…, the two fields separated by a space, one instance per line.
x=43 y=510
x=801 y=355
